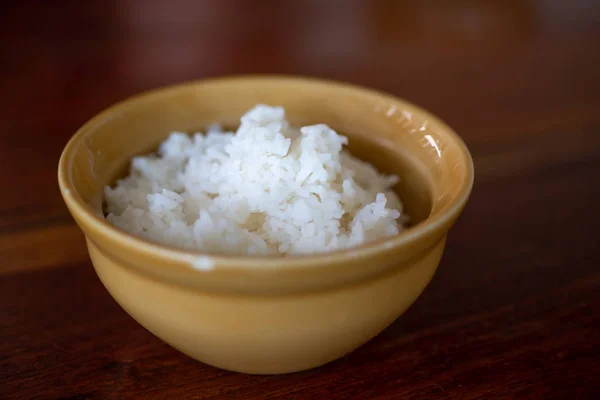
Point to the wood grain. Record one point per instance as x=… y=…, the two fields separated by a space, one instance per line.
x=513 y=309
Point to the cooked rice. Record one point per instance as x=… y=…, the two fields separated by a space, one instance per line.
x=266 y=189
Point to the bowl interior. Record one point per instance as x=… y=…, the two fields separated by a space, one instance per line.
x=393 y=137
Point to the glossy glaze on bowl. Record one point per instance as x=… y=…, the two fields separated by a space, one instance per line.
x=271 y=315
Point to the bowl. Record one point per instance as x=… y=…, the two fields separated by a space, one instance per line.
x=270 y=315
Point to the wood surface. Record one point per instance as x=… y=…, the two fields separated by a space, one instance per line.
x=514 y=310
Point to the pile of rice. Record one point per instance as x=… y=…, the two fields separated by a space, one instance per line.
x=266 y=189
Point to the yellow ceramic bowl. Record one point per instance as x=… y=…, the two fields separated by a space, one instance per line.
x=259 y=314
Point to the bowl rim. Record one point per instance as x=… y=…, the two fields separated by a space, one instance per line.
x=305 y=262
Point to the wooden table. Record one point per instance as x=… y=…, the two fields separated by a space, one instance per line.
x=513 y=311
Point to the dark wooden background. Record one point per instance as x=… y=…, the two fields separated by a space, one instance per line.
x=514 y=311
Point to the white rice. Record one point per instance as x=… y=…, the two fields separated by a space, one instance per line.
x=266 y=189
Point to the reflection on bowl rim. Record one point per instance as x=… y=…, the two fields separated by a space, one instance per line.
x=245 y=262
